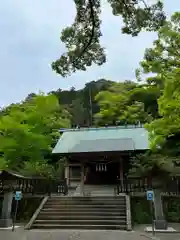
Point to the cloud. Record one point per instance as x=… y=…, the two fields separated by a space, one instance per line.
x=30 y=41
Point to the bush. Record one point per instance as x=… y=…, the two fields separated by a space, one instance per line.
x=141 y=210
x=172 y=208
x=26 y=208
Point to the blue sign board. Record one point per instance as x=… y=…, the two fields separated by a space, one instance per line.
x=150 y=195
x=18 y=195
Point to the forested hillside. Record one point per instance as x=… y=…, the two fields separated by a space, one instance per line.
x=29 y=130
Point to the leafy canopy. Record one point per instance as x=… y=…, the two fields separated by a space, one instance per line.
x=164 y=56
x=82 y=39
x=165 y=131
x=164 y=60
x=28 y=132
x=127 y=103
x=164 y=158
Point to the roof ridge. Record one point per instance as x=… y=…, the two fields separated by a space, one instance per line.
x=101 y=128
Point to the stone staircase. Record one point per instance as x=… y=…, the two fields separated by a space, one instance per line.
x=95 y=190
x=99 y=190
x=77 y=212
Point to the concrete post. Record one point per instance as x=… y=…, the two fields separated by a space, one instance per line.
x=6 y=220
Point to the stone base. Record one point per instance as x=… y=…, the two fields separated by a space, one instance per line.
x=4 y=223
x=160 y=224
x=9 y=228
x=168 y=230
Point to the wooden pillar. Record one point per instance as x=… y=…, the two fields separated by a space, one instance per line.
x=82 y=179
x=67 y=172
x=121 y=173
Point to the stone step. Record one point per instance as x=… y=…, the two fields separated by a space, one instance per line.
x=76 y=226
x=84 y=209
x=98 y=203
x=77 y=212
x=85 y=203
x=100 y=188
x=87 y=212
x=111 y=205
x=82 y=221
x=86 y=198
x=84 y=206
x=83 y=213
x=81 y=217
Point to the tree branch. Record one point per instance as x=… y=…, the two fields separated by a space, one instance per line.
x=91 y=3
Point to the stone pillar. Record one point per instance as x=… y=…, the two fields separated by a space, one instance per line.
x=6 y=220
x=160 y=222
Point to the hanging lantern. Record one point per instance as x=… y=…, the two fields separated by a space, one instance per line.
x=96 y=167
x=105 y=167
x=101 y=167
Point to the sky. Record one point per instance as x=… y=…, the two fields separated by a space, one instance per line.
x=30 y=41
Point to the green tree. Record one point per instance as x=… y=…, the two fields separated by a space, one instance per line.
x=81 y=103
x=163 y=160
x=29 y=131
x=78 y=113
x=125 y=103
x=164 y=60
x=82 y=39
x=148 y=95
x=165 y=131
x=164 y=56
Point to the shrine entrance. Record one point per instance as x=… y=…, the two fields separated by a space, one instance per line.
x=102 y=173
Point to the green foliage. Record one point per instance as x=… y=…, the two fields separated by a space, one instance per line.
x=127 y=103
x=164 y=56
x=172 y=209
x=156 y=166
x=163 y=60
x=28 y=133
x=141 y=210
x=82 y=39
x=26 y=208
x=163 y=130
x=81 y=104
x=29 y=130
